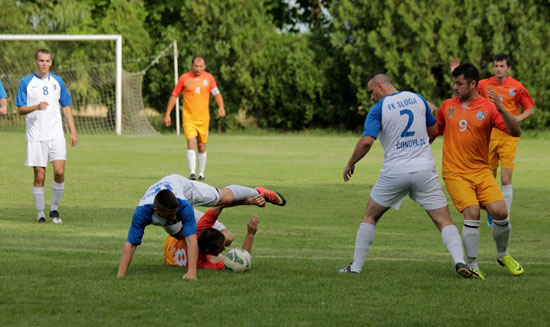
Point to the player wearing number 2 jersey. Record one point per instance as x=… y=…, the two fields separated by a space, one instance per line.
x=404 y=124
x=466 y=122
x=39 y=98
x=197 y=85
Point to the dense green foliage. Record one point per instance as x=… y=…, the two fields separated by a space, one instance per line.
x=300 y=65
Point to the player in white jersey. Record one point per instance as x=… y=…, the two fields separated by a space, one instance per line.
x=405 y=126
x=40 y=97
x=169 y=203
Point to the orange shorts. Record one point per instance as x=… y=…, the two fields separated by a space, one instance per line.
x=175 y=252
x=467 y=190
x=198 y=129
x=503 y=151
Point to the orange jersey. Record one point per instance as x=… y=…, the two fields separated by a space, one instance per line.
x=175 y=251
x=466 y=133
x=514 y=98
x=196 y=95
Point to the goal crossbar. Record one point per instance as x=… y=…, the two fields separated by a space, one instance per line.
x=95 y=37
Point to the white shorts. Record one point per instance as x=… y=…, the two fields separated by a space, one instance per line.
x=38 y=152
x=422 y=186
x=200 y=194
x=217 y=225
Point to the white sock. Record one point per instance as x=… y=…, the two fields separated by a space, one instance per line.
x=241 y=192
x=363 y=240
x=470 y=239
x=508 y=194
x=191 y=158
x=501 y=235
x=57 y=194
x=202 y=163
x=451 y=239
x=38 y=194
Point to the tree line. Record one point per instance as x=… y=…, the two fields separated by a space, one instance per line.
x=302 y=64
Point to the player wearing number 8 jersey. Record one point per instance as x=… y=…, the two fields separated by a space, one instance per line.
x=40 y=97
x=466 y=122
x=405 y=126
x=197 y=85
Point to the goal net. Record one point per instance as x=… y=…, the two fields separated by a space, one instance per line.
x=91 y=84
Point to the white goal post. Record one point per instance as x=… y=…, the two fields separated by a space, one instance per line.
x=98 y=37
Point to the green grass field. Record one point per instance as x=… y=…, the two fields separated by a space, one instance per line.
x=65 y=275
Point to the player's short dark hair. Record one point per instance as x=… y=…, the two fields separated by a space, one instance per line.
x=166 y=200
x=469 y=71
x=380 y=76
x=43 y=51
x=211 y=241
x=503 y=56
x=198 y=57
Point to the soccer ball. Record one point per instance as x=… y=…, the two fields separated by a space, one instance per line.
x=238 y=260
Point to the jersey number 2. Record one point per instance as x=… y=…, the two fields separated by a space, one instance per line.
x=409 y=113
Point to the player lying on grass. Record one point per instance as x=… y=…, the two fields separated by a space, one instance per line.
x=169 y=204
x=211 y=241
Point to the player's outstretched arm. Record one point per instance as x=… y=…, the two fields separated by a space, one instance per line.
x=361 y=149
x=193 y=253
x=126 y=258
x=252 y=228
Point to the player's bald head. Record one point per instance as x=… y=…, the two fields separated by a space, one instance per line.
x=380 y=77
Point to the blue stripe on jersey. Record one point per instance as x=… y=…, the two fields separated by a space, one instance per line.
x=2 y=91
x=187 y=215
x=143 y=216
x=64 y=98
x=373 y=121
x=21 y=99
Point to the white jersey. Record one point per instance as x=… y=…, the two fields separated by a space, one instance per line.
x=400 y=122
x=43 y=125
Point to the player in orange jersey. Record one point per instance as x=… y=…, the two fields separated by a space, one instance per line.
x=197 y=85
x=516 y=99
x=465 y=122
x=211 y=242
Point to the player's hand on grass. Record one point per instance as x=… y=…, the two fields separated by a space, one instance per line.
x=190 y=276
x=348 y=172
x=454 y=63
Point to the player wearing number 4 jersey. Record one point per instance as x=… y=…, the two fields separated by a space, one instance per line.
x=466 y=122
x=197 y=85
x=405 y=126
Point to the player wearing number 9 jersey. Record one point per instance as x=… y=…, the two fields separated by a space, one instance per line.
x=404 y=124
x=466 y=122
